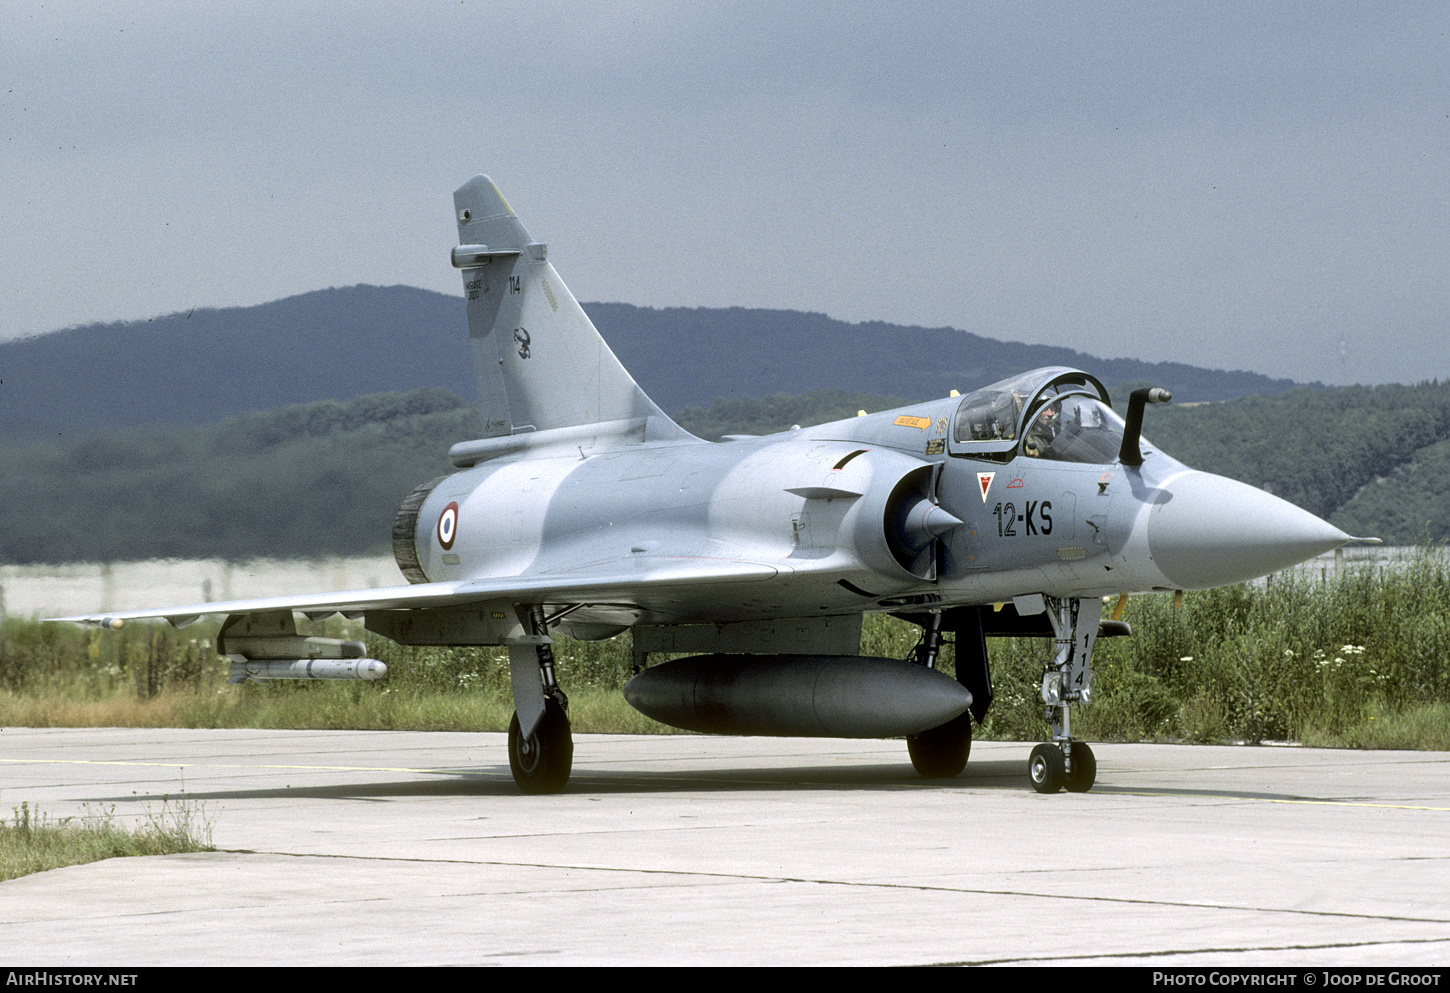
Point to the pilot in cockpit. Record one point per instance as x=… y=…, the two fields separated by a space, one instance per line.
x=1044 y=427
x=1041 y=431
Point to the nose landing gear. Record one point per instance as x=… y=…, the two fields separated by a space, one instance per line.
x=1047 y=768
x=1062 y=762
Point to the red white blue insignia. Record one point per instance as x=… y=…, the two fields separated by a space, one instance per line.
x=448 y=526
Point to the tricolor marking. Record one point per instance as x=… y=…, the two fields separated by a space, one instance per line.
x=448 y=526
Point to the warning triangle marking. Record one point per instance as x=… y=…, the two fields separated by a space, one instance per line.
x=984 y=480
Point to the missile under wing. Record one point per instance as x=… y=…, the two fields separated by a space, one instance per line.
x=584 y=509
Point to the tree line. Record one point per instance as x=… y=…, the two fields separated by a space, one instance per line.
x=327 y=477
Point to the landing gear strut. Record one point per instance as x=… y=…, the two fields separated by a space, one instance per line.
x=541 y=745
x=1068 y=679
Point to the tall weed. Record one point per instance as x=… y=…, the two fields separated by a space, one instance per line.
x=1294 y=658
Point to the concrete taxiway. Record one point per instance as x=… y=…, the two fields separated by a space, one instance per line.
x=361 y=848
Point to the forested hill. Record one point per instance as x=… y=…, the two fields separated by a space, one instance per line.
x=208 y=364
x=327 y=477
x=296 y=482
x=1375 y=461
x=688 y=356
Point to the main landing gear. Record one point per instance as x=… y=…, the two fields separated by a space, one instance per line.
x=542 y=761
x=541 y=745
x=1062 y=762
x=941 y=752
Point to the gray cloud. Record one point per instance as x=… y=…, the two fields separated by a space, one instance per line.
x=1237 y=185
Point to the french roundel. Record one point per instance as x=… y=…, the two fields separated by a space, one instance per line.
x=448 y=526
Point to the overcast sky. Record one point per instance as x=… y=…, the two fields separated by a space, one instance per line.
x=1232 y=185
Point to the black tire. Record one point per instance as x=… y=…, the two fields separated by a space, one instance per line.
x=1084 y=769
x=541 y=762
x=1045 y=768
x=941 y=752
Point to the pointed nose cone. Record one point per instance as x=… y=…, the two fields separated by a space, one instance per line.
x=1205 y=531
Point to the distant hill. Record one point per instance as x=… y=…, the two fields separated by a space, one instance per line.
x=209 y=364
x=317 y=479
x=684 y=356
x=327 y=477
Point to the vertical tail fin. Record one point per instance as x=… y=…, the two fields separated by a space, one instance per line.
x=541 y=365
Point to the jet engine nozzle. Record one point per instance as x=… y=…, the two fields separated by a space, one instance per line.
x=1205 y=530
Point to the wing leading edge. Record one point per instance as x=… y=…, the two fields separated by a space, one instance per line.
x=608 y=581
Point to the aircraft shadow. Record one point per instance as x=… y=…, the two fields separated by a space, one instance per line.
x=498 y=781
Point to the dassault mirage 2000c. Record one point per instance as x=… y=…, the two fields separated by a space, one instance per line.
x=586 y=510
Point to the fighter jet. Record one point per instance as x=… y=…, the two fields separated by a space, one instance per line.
x=1019 y=508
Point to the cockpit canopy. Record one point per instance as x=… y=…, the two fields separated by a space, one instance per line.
x=1051 y=413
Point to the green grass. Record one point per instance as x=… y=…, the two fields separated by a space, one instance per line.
x=1361 y=660
x=1358 y=661
x=1422 y=727
x=34 y=842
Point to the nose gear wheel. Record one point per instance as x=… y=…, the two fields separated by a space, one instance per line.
x=1045 y=768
